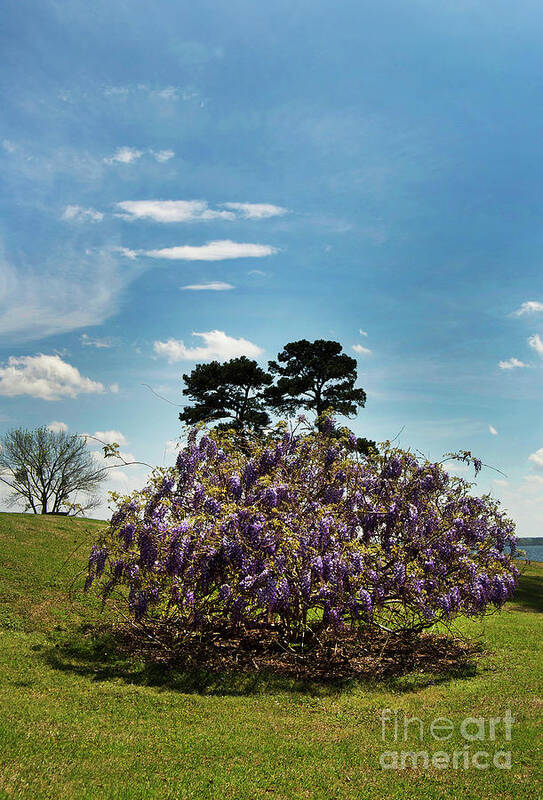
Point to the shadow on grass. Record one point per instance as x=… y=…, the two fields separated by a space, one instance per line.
x=98 y=654
x=529 y=593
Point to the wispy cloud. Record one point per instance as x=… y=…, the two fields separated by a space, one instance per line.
x=361 y=350
x=537 y=458
x=168 y=93
x=512 y=363
x=529 y=307
x=193 y=210
x=170 y=210
x=165 y=93
x=9 y=147
x=536 y=344
x=217 y=345
x=256 y=210
x=88 y=341
x=124 y=155
x=214 y=251
x=361 y=332
x=215 y=286
x=162 y=155
x=492 y=430
x=69 y=290
x=80 y=214
x=45 y=377
x=129 y=155
x=126 y=251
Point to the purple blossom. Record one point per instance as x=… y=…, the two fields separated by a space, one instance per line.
x=147 y=547
x=166 y=486
x=270 y=497
x=365 y=602
x=249 y=474
x=189 y=598
x=283 y=591
x=251 y=552
x=234 y=485
x=212 y=506
x=267 y=461
x=305 y=586
x=330 y=456
x=399 y=574
x=126 y=534
x=392 y=468
x=199 y=495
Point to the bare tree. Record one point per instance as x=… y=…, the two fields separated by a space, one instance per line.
x=47 y=469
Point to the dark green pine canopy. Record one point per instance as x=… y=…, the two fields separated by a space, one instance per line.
x=314 y=376
x=231 y=391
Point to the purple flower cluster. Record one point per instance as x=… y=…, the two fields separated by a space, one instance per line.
x=297 y=530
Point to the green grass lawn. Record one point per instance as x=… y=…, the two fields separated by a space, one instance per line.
x=77 y=720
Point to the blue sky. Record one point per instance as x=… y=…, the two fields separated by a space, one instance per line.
x=343 y=167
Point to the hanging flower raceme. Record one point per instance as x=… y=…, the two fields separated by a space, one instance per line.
x=297 y=529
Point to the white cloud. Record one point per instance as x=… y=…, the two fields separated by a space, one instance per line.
x=124 y=155
x=114 y=388
x=492 y=430
x=500 y=482
x=361 y=350
x=46 y=377
x=537 y=458
x=256 y=210
x=67 y=290
x=162 y=155
x=512 y=363
x=193 y=210
x=81 y=214
x=57 y=427
x=536 y=343
x=361 y=332
x=217 y=346
x=214 y=251
x=170 y=210
x=215 y=286
x=87 y=341
x=127 y=252
x=110 y=437
x=10 y=147
x=529 y=307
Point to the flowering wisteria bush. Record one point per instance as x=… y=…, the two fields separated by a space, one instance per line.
x=297 y=531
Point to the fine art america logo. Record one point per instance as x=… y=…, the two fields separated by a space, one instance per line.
x=478 y=751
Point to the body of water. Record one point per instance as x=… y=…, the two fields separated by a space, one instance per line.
x=534 y=552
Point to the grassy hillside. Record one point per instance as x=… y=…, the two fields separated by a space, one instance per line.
x=77 y=720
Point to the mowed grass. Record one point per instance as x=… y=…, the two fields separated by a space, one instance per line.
x=77 y=720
